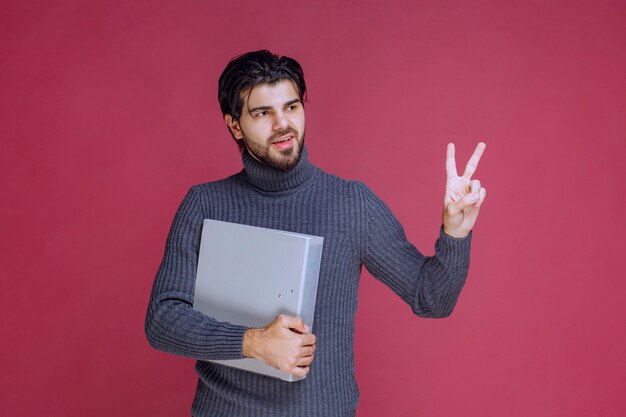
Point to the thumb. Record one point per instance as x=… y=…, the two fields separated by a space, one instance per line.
x=467 y=201
x=295 y=323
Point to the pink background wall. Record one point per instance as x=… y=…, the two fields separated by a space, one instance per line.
x=108 y=113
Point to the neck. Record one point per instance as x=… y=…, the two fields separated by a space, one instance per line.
x=267 y=178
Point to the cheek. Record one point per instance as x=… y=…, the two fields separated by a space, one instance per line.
x=299 y=122
x=257 y=132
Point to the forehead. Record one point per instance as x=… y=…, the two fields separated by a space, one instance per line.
x=271 y=94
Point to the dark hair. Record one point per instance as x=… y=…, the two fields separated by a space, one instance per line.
x=250 y=69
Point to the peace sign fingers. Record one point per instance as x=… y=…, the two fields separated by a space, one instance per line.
x=472 y=164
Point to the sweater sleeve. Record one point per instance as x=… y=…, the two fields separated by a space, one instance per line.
x=172 y=325
x=429 y=284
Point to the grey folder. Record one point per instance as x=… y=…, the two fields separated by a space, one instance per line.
x=249 y=275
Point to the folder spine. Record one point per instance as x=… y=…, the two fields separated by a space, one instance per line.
x=309 y=281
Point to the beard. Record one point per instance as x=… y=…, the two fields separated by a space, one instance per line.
x=282 y=160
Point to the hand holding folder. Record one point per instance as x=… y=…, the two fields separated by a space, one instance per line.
x=286 y=344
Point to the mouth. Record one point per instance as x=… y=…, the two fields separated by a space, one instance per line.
x=283 y=142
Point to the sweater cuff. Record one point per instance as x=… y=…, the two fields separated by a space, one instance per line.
x=231 y=343
x=453 y=250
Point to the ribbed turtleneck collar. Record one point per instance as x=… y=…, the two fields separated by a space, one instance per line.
x=267 y=178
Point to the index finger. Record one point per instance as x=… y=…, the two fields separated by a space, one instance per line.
x=472 y=164
x=450 y=162
x=308 y=340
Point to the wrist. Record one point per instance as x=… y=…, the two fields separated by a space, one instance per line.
x=455 y=233
x=247 y=346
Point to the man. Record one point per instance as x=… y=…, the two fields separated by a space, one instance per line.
x=262 y=99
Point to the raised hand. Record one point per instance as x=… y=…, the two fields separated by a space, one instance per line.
x=464 y=196
x=286 y=344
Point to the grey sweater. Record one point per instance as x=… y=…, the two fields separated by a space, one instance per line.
x=358 y=229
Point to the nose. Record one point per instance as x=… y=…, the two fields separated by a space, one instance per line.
x=280 y=121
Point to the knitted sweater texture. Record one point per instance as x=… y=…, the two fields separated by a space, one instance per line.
x=358 y=229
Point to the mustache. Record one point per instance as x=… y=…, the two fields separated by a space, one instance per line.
x=283 y=132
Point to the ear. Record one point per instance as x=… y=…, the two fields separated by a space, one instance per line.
x=234 y=127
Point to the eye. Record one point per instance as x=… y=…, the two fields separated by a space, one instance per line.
x=292 y=107
x=261 y=113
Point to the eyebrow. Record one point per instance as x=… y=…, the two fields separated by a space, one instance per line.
x=262 y=108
